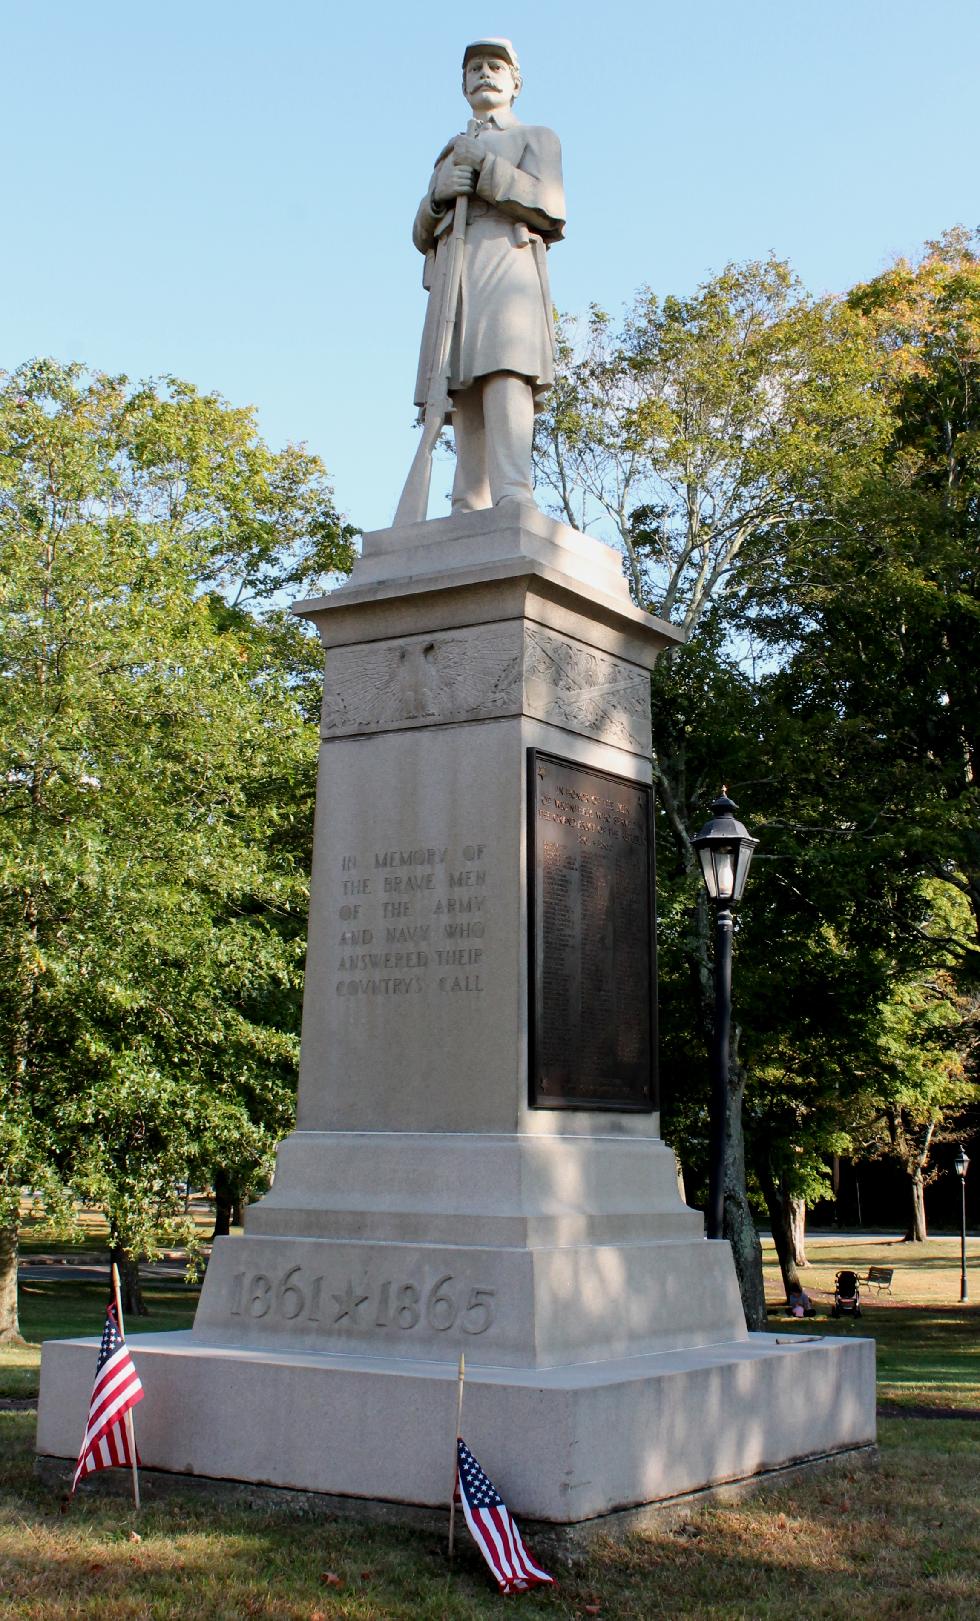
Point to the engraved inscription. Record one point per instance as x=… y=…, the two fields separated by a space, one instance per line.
x=347 y=1304
x=414 y=922
x=445 y=1305
x=593 y=1039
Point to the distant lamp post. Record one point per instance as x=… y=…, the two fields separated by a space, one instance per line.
x=724 y=849
x=962 y=1164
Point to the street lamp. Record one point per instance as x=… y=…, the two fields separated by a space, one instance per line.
x=962 y=1162
x=724 y=849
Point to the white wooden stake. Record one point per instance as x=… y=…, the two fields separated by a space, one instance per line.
x=130 y=1432
x=459 y=1431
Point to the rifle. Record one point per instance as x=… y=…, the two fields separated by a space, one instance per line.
x=414 y=503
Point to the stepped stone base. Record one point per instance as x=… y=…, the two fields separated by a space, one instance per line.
x=564 y=1444
x=521 y=1251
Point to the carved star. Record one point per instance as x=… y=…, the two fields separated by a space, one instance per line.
x=348 y=1303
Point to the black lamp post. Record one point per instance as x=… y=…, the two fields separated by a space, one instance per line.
x=724 y=848
x=962 y=1162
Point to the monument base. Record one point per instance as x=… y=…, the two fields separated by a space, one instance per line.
x=564 y=1445
x=551 y=1541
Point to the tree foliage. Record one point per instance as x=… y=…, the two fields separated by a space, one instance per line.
x=794 y=480
x=156 y=779
x=704 y=426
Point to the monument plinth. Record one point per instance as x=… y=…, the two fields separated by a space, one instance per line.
x=476 y=1164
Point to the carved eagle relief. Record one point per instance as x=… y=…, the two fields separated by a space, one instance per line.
x=423 y=680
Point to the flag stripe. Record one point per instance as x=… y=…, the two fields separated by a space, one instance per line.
x=117 y=1389
x=527 y=1563
x=485 y=1517
x=492 y=1528
x=507 y=1530
x=109 y=1412
x=124 y=1378
x=496 y=1525
x=483 y=1542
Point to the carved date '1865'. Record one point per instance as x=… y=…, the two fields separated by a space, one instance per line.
x=389 y=1305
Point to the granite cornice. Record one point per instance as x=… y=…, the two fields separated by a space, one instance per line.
x=507 y=589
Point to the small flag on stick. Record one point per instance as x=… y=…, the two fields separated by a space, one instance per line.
x=109 y=1440
x=454 y=1494
x=494 y=1532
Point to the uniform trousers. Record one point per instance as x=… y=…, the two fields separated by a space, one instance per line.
x=493 y=423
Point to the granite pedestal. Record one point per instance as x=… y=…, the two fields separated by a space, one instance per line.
x=426 y=1204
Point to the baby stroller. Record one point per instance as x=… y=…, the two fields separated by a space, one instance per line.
x=847 y=1295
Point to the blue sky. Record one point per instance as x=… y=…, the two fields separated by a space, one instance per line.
x=224 y=189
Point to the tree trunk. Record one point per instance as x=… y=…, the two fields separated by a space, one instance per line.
x=227 y=1206
x=739 y=1225
x=835 y=1186
x=9 y=1324
x=796 y=1211
x=918 y=1233
x=130 y=1292
x=782 y=1234
x=222 y=1210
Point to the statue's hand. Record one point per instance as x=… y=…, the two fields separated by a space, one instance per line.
x=468 y=150
x=455 y=180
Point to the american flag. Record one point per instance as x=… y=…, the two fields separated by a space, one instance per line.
x=494 y=1532
x=117 y=1389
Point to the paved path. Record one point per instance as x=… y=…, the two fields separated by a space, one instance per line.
x=57 y=1269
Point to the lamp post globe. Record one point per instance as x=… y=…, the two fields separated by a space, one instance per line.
x=724 y=848
x=962 y=1165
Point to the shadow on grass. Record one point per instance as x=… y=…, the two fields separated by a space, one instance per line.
x=903 y=1540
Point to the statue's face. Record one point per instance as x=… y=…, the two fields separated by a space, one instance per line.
x=489 y=83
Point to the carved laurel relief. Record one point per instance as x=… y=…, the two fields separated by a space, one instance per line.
x=584 y=690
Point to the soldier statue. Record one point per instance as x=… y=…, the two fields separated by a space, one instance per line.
x=494 y=205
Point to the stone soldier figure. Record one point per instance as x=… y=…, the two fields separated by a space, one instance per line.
x=501 y=357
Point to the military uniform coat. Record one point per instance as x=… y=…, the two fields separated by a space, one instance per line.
x=504 y=319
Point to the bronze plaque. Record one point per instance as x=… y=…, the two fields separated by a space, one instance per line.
x=592 y=938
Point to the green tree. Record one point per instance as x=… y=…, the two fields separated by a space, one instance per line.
x=157 y=750
x=880 y=610
x=703 y=438
x=876 y=619
x=922 y=1084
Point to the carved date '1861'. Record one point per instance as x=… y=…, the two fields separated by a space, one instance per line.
x=391 y=1305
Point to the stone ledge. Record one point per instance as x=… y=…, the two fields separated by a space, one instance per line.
x=562 y=1444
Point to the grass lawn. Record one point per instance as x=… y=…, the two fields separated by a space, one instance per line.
x=928 y=1344
x=63 y=1310
x=903 y=1540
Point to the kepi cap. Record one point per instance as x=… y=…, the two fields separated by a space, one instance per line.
x=495 y=47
